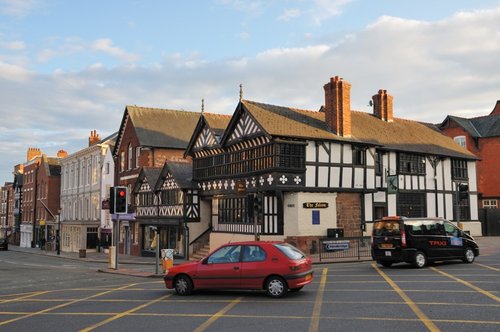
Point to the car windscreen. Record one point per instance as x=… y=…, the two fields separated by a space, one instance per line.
x=290 y=251
x=386 y=227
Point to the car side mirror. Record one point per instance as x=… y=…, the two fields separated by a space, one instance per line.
x=205 y=260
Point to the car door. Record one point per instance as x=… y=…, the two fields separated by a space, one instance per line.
x=221 y=269
x=253 y=267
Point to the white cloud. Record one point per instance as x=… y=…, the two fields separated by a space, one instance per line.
x=72 y=46
x=17 y=8
x=16 y=45
x=289 y=14
x=10 y=72
x=106 y=45
x=325 y=9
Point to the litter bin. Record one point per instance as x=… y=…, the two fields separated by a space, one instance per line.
x=82 y=253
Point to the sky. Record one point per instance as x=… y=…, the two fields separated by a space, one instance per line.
x=70 y=67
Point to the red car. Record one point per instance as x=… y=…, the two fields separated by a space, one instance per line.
x=276 y=267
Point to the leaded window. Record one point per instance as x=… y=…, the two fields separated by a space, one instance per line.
x=358 y=156
x=412 y=205
x=459 y=169
x=411 y=164
x=234 y=210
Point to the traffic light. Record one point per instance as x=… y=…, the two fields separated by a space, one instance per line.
x=118 y=200
x=463 y=191
x=257 y=205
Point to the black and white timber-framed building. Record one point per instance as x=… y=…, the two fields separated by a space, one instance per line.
x=318 y=170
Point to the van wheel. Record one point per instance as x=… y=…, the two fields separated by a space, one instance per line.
x=468 y=256
x=420 y=259
x=386 y=264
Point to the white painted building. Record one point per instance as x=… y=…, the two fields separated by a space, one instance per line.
x=81 y=195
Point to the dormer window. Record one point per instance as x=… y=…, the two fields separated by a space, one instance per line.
x=460 y=140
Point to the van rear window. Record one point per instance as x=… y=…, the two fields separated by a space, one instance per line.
x=381 y=228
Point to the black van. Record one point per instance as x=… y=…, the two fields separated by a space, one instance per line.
x=420 y=240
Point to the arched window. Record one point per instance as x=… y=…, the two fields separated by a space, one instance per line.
x=461 y=140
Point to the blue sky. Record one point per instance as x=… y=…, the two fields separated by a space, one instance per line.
x=69 y=67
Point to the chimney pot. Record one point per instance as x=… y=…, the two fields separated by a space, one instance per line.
x=338 y=106
x=382 y=106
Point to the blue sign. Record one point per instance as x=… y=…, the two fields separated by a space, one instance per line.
x=336 y=245
x=315 y=217
x=456 y=241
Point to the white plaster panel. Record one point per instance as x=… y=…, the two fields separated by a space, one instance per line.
x=431 y=205
x=322 y=176
x=447 y=173
x=440 y=200
x=311 y=151
x=370 y=159
x=310 y=176
x=449 y=206
x=370 y=179
x=379 y=197
x=407 y=183
x=439 y=176
x=346 y=177
x=336 y=153
x=471 y=171
x=347 y=154
x=473 y=207
x=391 y=205
x=358 y=178
x=323 y=154
x=335 y=177
x=368 y=207
x=421 y=182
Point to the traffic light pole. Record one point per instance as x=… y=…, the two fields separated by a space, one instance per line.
x=117 y=234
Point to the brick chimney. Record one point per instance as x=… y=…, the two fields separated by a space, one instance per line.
x=94 y=138
x=62 y=154
x=338 y=106
x=382 y=106
x=33 y=153
x=496 y=109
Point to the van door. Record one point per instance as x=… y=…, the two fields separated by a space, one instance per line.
x=437 y=241
x=455 y=240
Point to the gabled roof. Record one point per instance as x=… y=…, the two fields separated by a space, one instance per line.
x=157 y=127
x=401 y=134
x=479 y=127
x=151 y=174
x=215 y=123
x=182 y=172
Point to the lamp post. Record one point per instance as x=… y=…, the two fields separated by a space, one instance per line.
x=58 y=234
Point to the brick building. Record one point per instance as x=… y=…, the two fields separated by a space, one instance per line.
x=481 y=136
x=6 y=209
x=40 y=194
x=148 y=137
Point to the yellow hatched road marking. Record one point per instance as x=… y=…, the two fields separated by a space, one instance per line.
x=62 y=305
x=468 y=284
x=218 y=315
x=23 y=297
x=314 y=325
x=427 y=322
x=488 y=267
x=122 y=314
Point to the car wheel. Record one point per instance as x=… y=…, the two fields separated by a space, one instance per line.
x=276 y=287
x=469 y=256
x=183 y=285
x=386 y=264
x=296 y=289
x=420 y=259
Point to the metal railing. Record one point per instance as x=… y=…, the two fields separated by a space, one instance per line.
x=345 y=248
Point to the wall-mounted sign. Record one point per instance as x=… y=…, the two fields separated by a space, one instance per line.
x=315 y=205
x=241 y=187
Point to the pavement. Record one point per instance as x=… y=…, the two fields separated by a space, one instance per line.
x=127 y=265
x=142 y=266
